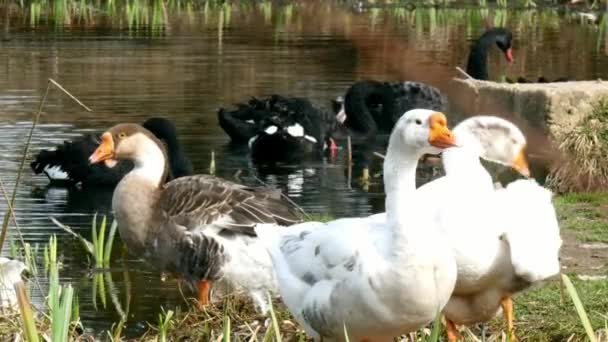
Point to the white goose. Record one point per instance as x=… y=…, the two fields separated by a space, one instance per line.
x=492 y=231
x=10 y=274
x=375 y=281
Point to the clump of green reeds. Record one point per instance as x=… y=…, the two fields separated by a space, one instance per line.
x=60 y=305
x=102 y=244
x=60 y=297
x=165 y=320
x=585 y=147
x=100 y=248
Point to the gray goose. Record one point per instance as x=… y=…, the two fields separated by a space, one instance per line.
x=200 y=227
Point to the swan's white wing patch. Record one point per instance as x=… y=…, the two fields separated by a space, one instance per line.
x=341 y=116
x=250 y=121
x=271 y=129
x=55 y=173
x=296 y=130
x=310 y=138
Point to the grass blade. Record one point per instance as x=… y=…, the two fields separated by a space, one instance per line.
x=226 y=329
x=435 y=332
x=579 y=308
x=108 y=251
x=164 y=323
x=346 y=338
x=100 y=243
x=94 y=237
x=62 y=316
x=27 y=315
x=275 y=323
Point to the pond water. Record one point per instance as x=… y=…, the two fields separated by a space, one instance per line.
x=184 y=62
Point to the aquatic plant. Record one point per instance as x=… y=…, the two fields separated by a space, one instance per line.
x=102 y=254
x=59 y=297
x=164 y=323
x=27 y=314
x=101 y=246
x=60 y=304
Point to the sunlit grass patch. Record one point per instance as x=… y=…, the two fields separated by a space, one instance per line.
x=547 y=313
x=586 y=214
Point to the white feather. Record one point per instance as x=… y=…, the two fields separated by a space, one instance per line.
x=271 y=129
x=55 y=173
x=10 y=274
x=311 y=139
x=341 y=116
x=296 y=130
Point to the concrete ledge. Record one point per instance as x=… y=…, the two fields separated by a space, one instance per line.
x=554 y=107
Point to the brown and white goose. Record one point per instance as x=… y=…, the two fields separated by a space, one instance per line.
x=200 y=227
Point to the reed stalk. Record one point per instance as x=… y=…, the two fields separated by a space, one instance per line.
x=28 y=142
x=580 y=309
x=27 y=314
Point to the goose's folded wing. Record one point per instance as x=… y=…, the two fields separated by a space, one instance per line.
x=533 y=230
x=203 y=200
x=194 y=255
x=317 y=251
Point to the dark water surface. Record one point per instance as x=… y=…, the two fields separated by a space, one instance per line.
x=185 y=63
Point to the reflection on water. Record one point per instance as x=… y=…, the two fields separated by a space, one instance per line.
x=185 y=61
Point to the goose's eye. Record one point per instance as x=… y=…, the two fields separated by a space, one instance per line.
x=122 y=135
x=418 y=122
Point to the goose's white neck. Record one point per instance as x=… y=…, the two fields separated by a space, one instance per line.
x=149 y=161
x=399 y=181
x=463 y=161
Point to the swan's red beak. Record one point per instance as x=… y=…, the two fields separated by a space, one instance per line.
x=439 y=134
x=520 y=163
x=105 y=151
x=509 y=55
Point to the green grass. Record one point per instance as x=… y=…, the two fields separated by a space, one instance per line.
x=585 y=214
x=547 y=313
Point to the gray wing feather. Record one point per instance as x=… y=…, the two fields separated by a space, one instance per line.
x=201 y=200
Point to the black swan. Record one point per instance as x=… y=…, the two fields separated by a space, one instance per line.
x=477 y=64
x=478 y=57
x=370 y=106
x=69 y=162
x=279 y=128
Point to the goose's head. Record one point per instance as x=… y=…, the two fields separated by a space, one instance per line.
x=423 y=129
x=497 y=139
x=126 y=141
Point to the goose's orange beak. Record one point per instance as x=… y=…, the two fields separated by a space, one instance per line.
x=520 y=163
x=439 y=134
x=105 y=150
